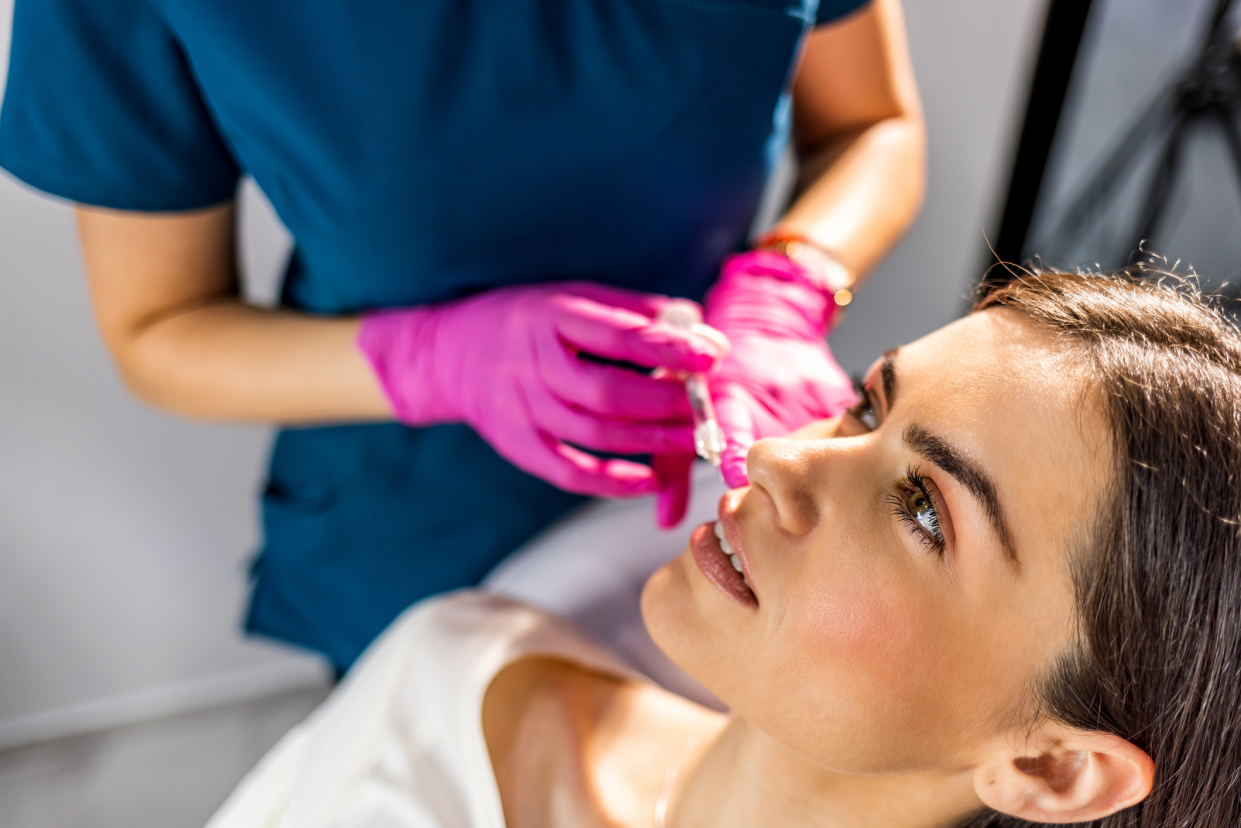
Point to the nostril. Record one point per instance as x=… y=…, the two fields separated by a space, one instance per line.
x=783 y=469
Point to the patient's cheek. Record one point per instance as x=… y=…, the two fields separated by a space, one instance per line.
x=868 y=624
x=903 y=681
x=857 y=654
x=875 y=638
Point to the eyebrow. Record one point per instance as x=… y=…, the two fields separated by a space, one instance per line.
x=969 y=475
x=887 y=370
x=952 y=461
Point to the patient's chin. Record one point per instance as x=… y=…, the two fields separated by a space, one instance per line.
x=659 y=596
x=660 y=659
x=668 y=611
x=655 y=594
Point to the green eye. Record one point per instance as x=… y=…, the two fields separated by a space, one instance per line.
x=921 y=510
x=911 y=503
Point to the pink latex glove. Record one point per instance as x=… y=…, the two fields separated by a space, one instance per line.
x=779 y=375
x=506 y=362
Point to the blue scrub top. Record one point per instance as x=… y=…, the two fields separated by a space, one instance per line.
x=418 y=151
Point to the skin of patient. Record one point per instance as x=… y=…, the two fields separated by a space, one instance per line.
x=881 y=673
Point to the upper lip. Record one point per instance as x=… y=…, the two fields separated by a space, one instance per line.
x=727 y=513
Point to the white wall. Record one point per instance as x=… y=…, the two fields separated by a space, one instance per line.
x=124 y=534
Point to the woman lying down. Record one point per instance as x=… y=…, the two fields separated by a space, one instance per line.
x=1003 y=589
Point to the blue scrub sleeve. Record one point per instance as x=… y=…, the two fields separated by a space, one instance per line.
x=102 y=108
x=830 y=11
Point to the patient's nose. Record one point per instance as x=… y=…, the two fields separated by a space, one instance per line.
x=784 y=469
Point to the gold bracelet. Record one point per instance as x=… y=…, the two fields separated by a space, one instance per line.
x=824 y=267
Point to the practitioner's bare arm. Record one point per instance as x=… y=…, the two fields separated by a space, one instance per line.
x=860 y=137
x=165 y=290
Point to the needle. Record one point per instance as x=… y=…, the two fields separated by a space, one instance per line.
x=708 y=436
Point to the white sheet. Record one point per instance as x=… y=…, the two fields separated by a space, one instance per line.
x=399 y=744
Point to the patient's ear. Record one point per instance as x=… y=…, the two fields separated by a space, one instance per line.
x=1064 y=775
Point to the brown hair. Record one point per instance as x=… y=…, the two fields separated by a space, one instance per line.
x=1158 y=582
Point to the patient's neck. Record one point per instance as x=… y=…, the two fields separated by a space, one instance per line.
x=747 y=778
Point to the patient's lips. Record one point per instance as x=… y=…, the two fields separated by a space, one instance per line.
x=716 y=560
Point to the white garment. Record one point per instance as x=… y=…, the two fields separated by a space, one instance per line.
x=399 y=744
x=590 y=567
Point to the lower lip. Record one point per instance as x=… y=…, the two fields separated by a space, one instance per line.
x=716 y=566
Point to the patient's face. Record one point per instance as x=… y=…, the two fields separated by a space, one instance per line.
x=909 y=560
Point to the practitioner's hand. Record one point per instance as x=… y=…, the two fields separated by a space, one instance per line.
x=780 y=374
x=507 y=363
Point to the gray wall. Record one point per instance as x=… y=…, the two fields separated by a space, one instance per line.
x=974 y=59
x=124 y=534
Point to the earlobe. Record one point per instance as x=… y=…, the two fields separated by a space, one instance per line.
x=1063 y=775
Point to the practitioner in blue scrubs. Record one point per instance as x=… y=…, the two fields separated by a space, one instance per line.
x=456 y=155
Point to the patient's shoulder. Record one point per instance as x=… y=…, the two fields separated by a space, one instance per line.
x=538 y=717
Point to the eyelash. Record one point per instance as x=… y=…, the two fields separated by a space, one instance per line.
x=865 y=403
x=914 y=483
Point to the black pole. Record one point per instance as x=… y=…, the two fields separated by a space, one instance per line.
x=1062 y=37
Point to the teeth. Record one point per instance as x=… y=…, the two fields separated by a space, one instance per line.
x=728 y=550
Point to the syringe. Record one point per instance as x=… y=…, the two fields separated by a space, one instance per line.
x=708 y=436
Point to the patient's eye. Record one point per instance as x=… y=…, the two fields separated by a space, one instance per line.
x=919 y=505
x=913 y=504
x=864 y=411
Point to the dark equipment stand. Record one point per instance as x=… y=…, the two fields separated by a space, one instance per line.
x=1209 y=90
x=1062 y=37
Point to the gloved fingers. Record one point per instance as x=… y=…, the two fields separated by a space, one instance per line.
x=613 y=435
x=647 y=304
x=512 y=427
x=752 y=300
x=733 y=412
x=626 y=395
x=650 y=305
x=834 y=391
x=732 y=465
x=576 y=471
x=616 y=333
x=613 y=391
x=829 y=401
x=672 y=474
x=722 y=342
